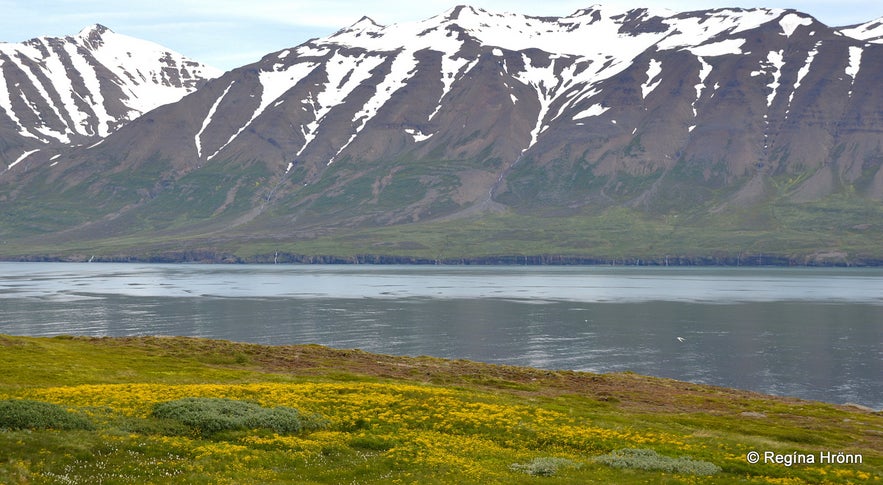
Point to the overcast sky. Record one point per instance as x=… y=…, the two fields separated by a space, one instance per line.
x=232 y=33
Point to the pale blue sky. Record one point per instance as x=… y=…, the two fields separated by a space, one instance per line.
x=232 y=33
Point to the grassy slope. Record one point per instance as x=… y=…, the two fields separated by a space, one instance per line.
x=398 y=419
x=799 y=234
x=212 y=215
x=838 y=230
x=835 y=231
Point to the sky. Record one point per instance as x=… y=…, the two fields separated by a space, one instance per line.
x=232 y=33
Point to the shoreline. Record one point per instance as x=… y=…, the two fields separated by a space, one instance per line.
x=212 y=257
x=425 y=368
x=313 y=358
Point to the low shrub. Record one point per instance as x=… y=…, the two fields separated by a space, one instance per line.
x=373 y=443
x=643 y=459
x=544 y=466
x=211 y=415
x=27 y=414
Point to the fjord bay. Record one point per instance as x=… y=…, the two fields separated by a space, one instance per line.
x=808 y=333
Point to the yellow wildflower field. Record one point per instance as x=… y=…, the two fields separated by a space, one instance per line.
x=404 y=431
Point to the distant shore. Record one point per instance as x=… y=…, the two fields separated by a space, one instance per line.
x=215 y=257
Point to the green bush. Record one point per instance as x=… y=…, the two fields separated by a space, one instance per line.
x=544 y=466
x=211 y=415
x=643 y=459
x=372 y=443
x=27 y=414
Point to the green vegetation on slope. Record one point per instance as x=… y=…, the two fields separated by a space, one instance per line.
x=201 y=411
x=839 y=231
x=428 y=210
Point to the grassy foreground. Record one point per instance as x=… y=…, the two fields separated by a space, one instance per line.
x=97 y=411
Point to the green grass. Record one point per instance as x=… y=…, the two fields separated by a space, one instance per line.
x=163 y=410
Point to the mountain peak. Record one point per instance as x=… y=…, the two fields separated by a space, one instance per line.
x=364 y=24
x=456 y=12
x=99 y=28
x=94 y=35
x=96 y=30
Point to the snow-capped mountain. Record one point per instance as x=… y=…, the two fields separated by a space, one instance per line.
x=79 y=88
x=473 y=111
x=738 y=92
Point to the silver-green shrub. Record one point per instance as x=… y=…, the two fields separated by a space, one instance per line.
x=27 y=414
x=211 y=415
x=643 y=459
x=544 y=466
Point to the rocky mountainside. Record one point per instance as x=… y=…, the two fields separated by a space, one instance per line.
x=472 y=113
x=74 y=90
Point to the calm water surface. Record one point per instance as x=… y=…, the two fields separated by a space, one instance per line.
x=811 y=333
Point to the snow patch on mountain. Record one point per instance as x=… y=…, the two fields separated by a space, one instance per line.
x=594 y=110
x=417 y=134
x=691 y=32
x=792 y=21
x=401 y=69
x=773 y=67
x=344 y=75
x=208 y=119
x=653 y=72
x=855 y=62
x=869 y=31
x=22 y=157
x=6 y=105
x=588 y=32
x=544 y=82
x=93 y=95
x=309 y=50
x=802 y=74
x=704 y=70
x=453 y=68
x=17 y=59
x=274 y=84
x=722 y=48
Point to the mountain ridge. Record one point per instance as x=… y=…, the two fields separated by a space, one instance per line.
x=735 y=116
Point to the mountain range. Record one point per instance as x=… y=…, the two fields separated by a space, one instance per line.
x=734 y=136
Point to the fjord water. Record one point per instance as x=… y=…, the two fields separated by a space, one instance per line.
x=810 y=333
